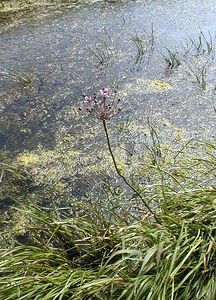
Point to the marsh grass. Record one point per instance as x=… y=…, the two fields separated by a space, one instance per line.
x=7 y=168
x=172 y=59
x=103 y=53
x=203 y=44
x=199 y=72
x=144 y=44
x=22 y=77
x=197 y=56
x=93 y=250
x=89 y=257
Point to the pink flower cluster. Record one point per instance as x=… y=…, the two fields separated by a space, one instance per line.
x=104 y=106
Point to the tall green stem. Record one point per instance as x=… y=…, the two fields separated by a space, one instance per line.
x=122 y=176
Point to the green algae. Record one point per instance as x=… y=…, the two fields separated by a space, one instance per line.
x=142 y=86
x=159 y=85
x=65 y=169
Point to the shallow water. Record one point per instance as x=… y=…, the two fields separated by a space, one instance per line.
x=49 y=60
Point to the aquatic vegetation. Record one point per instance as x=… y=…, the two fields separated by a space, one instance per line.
x=23 y=77
x=203 y=44
x=197 y=56
x=102 y=53
x=10 y=8
x=172 y=59
x=79 y=252
x=144 y=45
x=158 y=85
x=200 y=74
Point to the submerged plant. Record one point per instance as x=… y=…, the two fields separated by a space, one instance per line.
x=143 y=45
x=102 y=53
x=200 y=75
x=23 y=77
x=171 y=58
x=204 y=44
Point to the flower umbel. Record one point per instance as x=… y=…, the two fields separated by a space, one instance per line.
x=104 y=106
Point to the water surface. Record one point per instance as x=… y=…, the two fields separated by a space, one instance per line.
x=48 y=60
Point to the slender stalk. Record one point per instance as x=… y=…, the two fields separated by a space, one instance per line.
x=122 y=176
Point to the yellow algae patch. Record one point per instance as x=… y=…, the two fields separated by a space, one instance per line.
x=44 y=157
x=159 y=85
x=72 y=154
x=50 y=166
x=142 y=85
x=27 y=158
x=37 y=157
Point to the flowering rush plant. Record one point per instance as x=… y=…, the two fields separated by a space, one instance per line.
x=102 y=106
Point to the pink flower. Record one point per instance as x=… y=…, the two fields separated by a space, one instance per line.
x=104 y=91
x=87 y=99
x=102 y=107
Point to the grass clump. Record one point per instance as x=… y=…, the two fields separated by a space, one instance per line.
x=171 y=58
x=80 y=253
